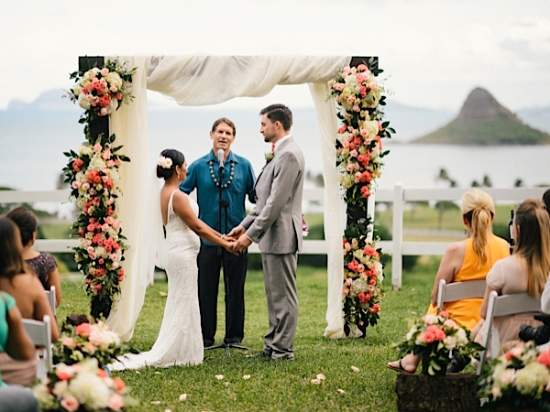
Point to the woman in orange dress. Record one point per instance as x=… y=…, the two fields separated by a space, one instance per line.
x=470 y=259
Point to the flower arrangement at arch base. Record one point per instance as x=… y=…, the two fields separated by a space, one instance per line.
x=436 y=338
x=359 y=155
x=92 y=174
x=517 y=380
x=82 y=387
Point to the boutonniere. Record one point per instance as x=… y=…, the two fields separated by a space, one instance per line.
x=269 y=156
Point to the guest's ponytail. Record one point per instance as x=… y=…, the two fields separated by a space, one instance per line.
x=479 y=210
x=533 y=243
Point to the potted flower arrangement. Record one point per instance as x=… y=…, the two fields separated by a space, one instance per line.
x=436 y=338
x=519 y=380
x=82 y=387
x=86 y=340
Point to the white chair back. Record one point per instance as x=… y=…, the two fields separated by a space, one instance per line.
x=40 y=333
x=459 y=290
x=50 y=294
x=503 y=306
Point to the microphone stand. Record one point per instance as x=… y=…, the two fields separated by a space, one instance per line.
x=223 y=204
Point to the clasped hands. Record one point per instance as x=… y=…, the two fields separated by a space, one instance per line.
x=239 y=241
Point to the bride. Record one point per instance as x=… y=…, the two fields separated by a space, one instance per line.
x=180 y=337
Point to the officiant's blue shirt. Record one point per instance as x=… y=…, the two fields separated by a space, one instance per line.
x=199 y=177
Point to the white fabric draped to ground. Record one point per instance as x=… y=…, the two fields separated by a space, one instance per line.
x=205 y=80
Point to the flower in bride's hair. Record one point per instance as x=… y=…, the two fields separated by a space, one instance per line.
x=164 y=162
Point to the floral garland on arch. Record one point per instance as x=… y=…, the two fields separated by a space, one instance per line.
x=359 y=156
x=93 y=176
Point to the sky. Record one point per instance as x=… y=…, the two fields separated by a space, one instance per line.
x=433 y=52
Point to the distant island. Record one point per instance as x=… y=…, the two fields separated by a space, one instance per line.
x=483 y=121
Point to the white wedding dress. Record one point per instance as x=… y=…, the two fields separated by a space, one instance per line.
x=180 y=337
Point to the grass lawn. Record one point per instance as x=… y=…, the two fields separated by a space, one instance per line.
x=281 y=386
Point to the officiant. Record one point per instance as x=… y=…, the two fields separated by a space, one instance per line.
x=222 y=180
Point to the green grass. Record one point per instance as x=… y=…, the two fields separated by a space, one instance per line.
x=282 y=386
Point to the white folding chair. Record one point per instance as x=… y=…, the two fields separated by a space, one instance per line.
x=50 y=294
x=40 y=333
x=459 y=290
x=503 y=306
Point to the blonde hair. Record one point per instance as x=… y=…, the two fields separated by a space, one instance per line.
x=479 y=210
x=533 y=243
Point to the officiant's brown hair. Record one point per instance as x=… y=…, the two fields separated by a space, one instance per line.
x=227 y=122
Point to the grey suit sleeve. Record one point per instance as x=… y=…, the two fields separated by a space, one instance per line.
x=285 y=177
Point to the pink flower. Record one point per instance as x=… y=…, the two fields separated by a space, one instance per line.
x=360 y=268
x=97 y=287
x=544 y=358
x=362 y=68
x=375 y=308
x=106 y=154
x=69 y=342
x=76 y=184
x=363 y=297
x=356 y=108
x=105 y=227
x=349 y=281
x=63 y=374
x=345 y=291
x=353 y=265
x=119 y=384
x=70 y=403
x=444 y=313
x=365 y=192
x=86 y=186
x=115 y=402
x=97 y=148
x=113 y=89
x=370 y=251
x=433 y=334
x=104 y=72
x=353 y=153
x=342 y=129
x=83 y=329
x=96 y=337
x=449 y=323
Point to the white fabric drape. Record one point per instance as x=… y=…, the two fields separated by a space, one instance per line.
x=334 y=207
x=129 y=123
x=206 y=80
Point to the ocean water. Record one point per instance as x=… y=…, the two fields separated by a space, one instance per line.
x=32 y=146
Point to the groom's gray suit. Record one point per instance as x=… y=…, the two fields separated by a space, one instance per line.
x=275 y=224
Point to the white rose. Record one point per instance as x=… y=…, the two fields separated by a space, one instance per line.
x=86 y=149
x=410 y=333
x=77 y=89
x=45 y=400
x=83 y=102
x=90 y=390
x=101 y=252
x=114 y=80
x=531 y=377
x=60 y=388
x=97 y=162
x=114 y=105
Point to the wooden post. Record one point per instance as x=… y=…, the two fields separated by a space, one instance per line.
x=99 y=124
x=397 y=237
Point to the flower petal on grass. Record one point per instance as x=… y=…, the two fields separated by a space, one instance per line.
x=321 y=377
x=341 y=391
x=163 y=294
x=316 y=381
x=183 y=397
x=157 y=373
x=155 y=402
x=355 y=368
x=226 y=383
x=219 y=377
x=246 y=377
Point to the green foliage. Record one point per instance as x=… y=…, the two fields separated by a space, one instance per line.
x=494 y=132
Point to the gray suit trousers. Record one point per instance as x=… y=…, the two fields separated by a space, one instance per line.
x=282 y=303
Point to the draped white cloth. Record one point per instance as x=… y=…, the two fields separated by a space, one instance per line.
x=204 y=80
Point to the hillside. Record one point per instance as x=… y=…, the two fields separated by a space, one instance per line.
x=484 y=121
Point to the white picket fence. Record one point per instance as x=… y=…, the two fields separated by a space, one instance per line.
x=398 y=197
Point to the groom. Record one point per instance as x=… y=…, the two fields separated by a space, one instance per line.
x=275 y=224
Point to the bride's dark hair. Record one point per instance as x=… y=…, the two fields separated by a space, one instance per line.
x=176 y=159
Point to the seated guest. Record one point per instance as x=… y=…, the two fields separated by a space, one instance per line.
x=29 y=296
x=546 y=200
x=526 y=270
x=43 y=264
x=15 y=341
x=470 y=259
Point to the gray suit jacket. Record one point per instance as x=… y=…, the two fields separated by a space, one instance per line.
x=275 y=223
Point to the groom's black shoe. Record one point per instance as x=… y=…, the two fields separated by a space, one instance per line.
x=260 y=355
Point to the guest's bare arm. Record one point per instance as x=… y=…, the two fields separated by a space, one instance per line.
x=450 y=264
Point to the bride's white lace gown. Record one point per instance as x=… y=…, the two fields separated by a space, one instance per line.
x=180 y=337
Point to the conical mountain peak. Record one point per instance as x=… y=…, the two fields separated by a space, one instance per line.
x=481 y=106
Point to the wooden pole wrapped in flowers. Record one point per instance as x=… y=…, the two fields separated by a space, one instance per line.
x=92 y=173
x=359 y=155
